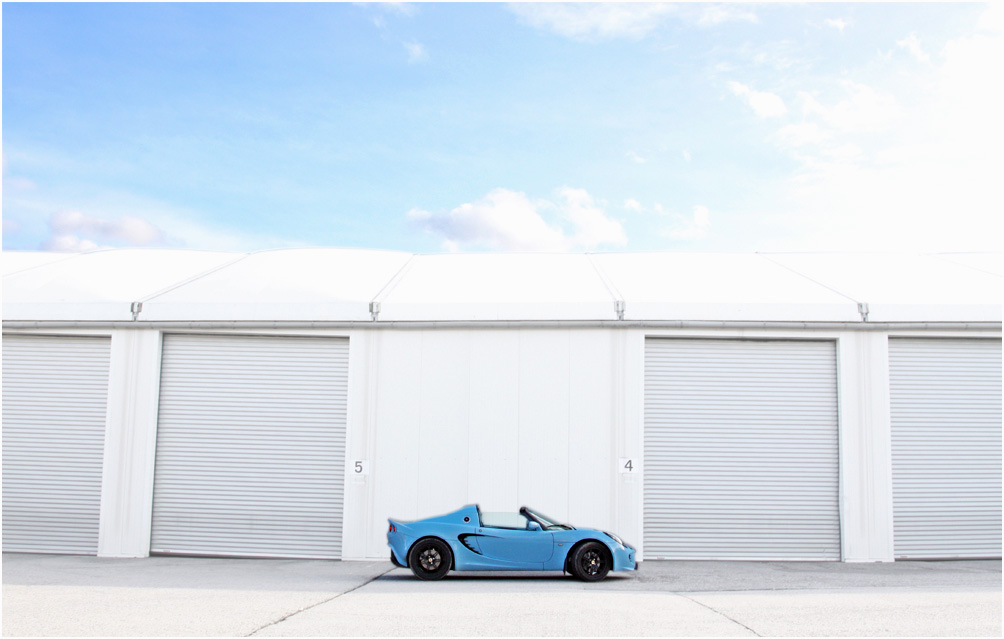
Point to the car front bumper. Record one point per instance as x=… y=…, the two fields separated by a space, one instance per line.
x=624 y=558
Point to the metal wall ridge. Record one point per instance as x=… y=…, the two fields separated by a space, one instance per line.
x=488 y=324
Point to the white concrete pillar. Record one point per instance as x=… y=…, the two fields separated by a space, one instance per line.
x=360 y=446
x=130 y=444
x=630 y=395
x=865 y=447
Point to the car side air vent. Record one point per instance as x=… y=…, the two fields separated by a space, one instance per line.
x=467 y=541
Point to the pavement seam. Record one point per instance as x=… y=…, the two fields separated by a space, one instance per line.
x=314 y=605
x=719 y=612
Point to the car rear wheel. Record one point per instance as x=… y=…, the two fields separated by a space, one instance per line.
x=591 y=561
x=430 y=559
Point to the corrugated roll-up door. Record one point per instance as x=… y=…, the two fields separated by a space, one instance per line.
x=251 y=446
x=55 y=397
x=740 y=450
x=946 y=447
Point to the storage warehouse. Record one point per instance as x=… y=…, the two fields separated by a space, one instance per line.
x=704 y=406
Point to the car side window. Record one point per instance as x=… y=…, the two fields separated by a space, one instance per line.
x=513 y=521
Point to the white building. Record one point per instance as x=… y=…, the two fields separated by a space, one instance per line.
x=285 y=403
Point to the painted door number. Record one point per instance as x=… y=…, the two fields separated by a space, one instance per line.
x=360 y=467
x=627 y=465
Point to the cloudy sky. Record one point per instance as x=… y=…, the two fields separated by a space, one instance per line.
x=493 y=127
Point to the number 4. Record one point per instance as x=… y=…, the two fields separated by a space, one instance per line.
x=629 y=466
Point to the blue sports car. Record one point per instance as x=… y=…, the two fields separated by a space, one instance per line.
x=469 y=539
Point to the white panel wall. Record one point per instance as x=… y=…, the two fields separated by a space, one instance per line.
x=865 y=448
x=503 y=418
x=544 y=407
x=494 y=407
x=130 y=444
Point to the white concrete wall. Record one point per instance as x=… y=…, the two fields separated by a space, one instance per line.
x=502 y=418
x=865 y=447
x=130 y=444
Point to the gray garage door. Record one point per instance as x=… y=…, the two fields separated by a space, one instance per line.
x=946 y=443
x=55 y=396
x=251 y=446
x=740 y=450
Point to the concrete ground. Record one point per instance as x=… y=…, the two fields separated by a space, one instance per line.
x=89 y=596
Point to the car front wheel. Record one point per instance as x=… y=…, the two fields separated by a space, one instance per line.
x=591 y=561
x=430 y=559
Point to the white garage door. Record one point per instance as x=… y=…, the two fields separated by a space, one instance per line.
x=250 y=446
x=740 y=450
x=946 y=447
x=55 y=396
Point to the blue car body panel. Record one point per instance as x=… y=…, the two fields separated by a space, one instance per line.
x=479 y=547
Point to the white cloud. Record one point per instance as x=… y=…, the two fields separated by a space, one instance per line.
x=594 y=21
x=19 y=183
x=73 y=230
x=917 y=173
x=592 y=227
x=801 y=134
x=686 y=155
x=400 y=8
x=764 y=104
x=837 y=23
x=632 y=204
x=912 y=44
x=690 y=228
x=509 y=221
x=718 y=13
x=637 y=159
x=69 y=244
x=416 y=52
x=864 y=109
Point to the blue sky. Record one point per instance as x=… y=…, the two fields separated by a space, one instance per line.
x=434 y=127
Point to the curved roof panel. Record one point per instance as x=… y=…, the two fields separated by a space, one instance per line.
x=283 y=285
x=719 y=287
x=101 y=285
x=14 y=261
x=904 y=288
x=307 y=285
x=499 y=287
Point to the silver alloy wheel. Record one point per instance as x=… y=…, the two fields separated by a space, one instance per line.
x=430 y=559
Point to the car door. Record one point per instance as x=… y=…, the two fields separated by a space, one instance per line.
x=527 y=548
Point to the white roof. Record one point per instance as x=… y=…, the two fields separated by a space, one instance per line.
x=905 y=288
x=283 y=285
x=725 y=287
x=487 y=286
x=97 y=286
x=308 y=285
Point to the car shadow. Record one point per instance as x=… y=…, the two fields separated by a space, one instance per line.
x=498 y=575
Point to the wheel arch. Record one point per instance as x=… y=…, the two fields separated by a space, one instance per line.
x=453 y=555
x=580 y=543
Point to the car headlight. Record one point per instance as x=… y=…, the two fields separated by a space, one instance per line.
x=615 y=538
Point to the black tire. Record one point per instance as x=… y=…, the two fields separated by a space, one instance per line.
x=591 y=561
x=430 y=559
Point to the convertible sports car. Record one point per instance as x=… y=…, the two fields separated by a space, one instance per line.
x=471 y=540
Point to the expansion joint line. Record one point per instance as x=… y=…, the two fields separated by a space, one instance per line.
x=719 y=612
x=314 y=605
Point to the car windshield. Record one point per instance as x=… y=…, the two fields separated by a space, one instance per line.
x=504 y=520
x=546 y=522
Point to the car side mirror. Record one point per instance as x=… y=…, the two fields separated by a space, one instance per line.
x=532 y=525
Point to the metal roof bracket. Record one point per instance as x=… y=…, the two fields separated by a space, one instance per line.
x=863 y=309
